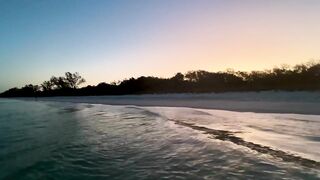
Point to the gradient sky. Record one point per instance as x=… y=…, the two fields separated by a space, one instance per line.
x=112 y=40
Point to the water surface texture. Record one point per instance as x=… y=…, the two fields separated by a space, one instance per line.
x=61 y=140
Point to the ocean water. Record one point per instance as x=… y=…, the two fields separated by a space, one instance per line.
x=61 y=140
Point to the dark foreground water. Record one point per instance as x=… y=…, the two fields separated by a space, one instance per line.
x=40 y=140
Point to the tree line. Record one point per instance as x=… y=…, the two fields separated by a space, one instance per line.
x=299 y=77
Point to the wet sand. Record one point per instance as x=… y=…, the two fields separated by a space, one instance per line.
x=264 y=102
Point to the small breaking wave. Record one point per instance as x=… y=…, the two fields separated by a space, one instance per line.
x=230 y=137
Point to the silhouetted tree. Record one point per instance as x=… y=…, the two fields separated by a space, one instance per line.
x=73 y=80
x=178 y=77
x=47 y=85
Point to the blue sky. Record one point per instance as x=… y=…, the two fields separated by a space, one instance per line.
x=113 y=40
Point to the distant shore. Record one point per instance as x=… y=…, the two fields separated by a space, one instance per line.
x=261 y=102
x=301 y=77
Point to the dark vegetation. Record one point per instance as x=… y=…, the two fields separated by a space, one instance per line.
x=300 y=77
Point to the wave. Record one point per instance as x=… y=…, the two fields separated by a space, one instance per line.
x=230 y=137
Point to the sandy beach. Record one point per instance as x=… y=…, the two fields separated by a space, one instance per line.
x=264 y=102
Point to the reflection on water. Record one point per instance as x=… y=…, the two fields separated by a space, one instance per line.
x=70 y=141
x=294 y=133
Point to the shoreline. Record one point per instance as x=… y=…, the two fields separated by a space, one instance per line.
x=263 y=102
x=262 y=130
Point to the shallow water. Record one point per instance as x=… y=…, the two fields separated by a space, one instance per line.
x=51 y=140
